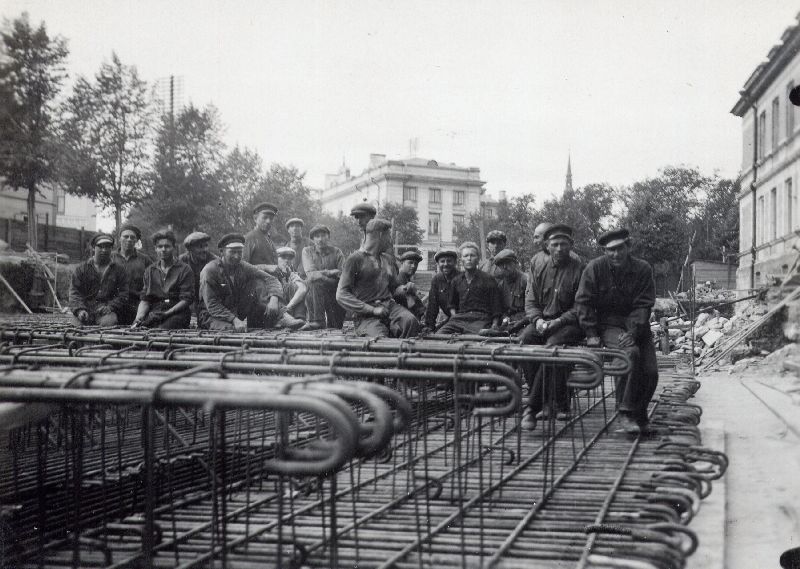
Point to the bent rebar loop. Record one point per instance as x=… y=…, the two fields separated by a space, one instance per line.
x=187 y=389
x=708 y=463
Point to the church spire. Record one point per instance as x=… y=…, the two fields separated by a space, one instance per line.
x=568 y=184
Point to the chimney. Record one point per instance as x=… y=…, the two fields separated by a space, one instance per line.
x=502 y=195
x=376 y=160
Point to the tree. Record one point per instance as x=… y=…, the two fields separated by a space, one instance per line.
x=107 y=133
x=186 y=192
x=345 y=232
x=31 y=74
x=586 y=210
x=241 y=176
x=405 y=223
x=718 y=222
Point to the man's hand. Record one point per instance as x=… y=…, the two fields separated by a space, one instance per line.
x=239 y=325
x=424 y=331
x=541 y=326
x=332 y=273
x=136 y=324
x=411 y=288
x=517 y=326
x=83 y=316
x=380 y=311
x=102 y=310
x=594 y=342
x=626 y=340
x=273 y=308
x=154 y=318
x=554 y=325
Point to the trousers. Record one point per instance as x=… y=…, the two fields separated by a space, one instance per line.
x=399 y=324
x=322 y=305
x=548 y=384
x=466 y=323
x=252 y=305
x=634 y=391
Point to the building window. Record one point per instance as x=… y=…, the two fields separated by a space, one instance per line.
x=760 y=221
x=773 y=214
x=789 y=111
x=435 y=195
x=488 y=212
x=458 y=197
x=762 y=134
x=458 y=219
x=61 y=201
x=776 y=120
x=790 y=206
x=409 y=194
x=434 y=220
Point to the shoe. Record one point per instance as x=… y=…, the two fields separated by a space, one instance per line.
x=528 y=422
x=544 y=413
x=290 y=322
x=627 y=425
x=311 y=326
x=563 y=415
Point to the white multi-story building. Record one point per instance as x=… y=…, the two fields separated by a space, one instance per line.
x=53 y=207
x=444 y=195
x=768 y=204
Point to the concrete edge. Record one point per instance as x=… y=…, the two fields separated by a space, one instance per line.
x=709 y=524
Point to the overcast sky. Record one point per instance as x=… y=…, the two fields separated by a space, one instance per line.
x=509 y=87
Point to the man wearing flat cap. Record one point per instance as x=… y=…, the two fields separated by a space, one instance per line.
x=550 y=309
x=236 y=295
x=322 y=264
x=259 y=248
x=368 y=284
x=134 y=262
x=615 y=297
x=512 y=283
x=197 y=256
x=406 y=294
x=474 y=296
x=439 y=309
x=363 y=213
x=495 y=242
x=98 y=289
x=294 y=227
x=540 y=246
x=293 y=305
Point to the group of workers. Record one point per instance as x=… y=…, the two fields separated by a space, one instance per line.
x=255 y=283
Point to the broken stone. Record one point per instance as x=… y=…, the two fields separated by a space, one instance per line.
x=712 y=337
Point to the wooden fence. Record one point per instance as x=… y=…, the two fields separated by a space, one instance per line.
x=63 y=240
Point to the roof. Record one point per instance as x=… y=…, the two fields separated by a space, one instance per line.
x=765 y=72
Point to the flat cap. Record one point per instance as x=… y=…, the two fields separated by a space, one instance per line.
x=286 y=252
x=614 y=237
x=445 y=252
x=101 y=238
x=319 y=229
x=410 y=256
x=265 y=206
x=130 y=227
x=363 y=209
x=505 y=255
x=293 y=221
x=231 y=240
x=378 y=225
x=195 y=237
x=496 y=235
x=559 y=230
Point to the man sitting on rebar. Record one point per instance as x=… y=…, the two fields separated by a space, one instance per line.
x=495 y=242
x=197 y=256
x=323 y=264
x=440 y=293
x=540 y=246
x=134 y=262
x=512 y=283
x=475 y=297
x=293 y=311
x=550 y=309
x=368 y=284
x=168 y=288
x=234 y=294
x=98 y=290
x=614 y=300
x=407 y=291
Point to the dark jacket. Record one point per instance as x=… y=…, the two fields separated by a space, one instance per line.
x=259 y=248
x=512 y=293
x=438 y=299
x=551 y=291
x=197 y=264
x=621 y=297
x=366 y=279
x=221 y=289
x=482 y=295
x=134 y=266
x=88 y=288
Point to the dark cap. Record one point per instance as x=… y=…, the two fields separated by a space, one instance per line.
x=505 y=255
x=445 y=252
x=319 y=229
x=496 y=235
x=286 y=252
x=559 y=230
x=195 y=238
x=130 y=227
x=265 y=206
x=293 y=221
x=102 y=238
x=364 y=209
x=410 y=256
x=614 y=237
x=378 y=225
x=231 y=240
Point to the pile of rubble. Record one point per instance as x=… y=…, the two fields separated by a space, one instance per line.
x=709 y=292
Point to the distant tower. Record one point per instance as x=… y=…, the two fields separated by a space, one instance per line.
x=568 y=191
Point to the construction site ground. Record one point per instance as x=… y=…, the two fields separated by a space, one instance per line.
x=751 y=413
